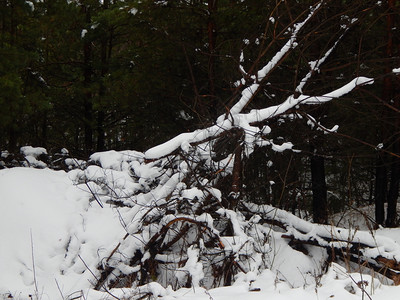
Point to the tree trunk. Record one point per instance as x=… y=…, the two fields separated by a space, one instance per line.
x=319 y=190
x=87 y=104
x=12 y=140
x=212 y=39
x=43 y=139
x=380 y=189
x=106 y=44
x=236 y=178
x=101 y=137
x=391 y=89
x=391 y=217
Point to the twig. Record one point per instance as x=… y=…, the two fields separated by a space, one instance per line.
x=59 y=289
x=93 y=194
x=91 y=272
x=33 y=267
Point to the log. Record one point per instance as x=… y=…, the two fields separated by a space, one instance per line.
x=376 y=252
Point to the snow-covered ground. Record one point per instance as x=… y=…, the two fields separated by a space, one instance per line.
x=52 y=238
x=45 y=222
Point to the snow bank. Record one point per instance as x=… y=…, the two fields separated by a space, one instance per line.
x=49 y=231
x=53 y=236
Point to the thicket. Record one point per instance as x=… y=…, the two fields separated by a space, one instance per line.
x=91 y=76
x=254 y=76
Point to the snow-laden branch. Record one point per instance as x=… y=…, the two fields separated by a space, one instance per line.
x=258 y=115
x=254 y=116
x=248 y=92
x=315 y=65
x=378 y=252
x=236 y=118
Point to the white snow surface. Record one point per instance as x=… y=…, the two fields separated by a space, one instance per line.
x=52 y=233
x=33 y=151
x=42 y=215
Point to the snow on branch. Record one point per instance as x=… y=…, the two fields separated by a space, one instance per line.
x=379 y=252
x=254 y=116
x=244 y=120
x=258 y=115
x=248 y=92
x=315 y=65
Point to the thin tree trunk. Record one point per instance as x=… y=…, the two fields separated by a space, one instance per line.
x=44 y=130
x=380 y=189
x=105 y=56
x=101 y=137
x=12 y=139
x=391 y=89
x=391 y=217
x=88 y=105
x=212 y=40
x=236 y=178
x=319 y=190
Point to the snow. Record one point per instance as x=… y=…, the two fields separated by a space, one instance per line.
x=31 y=5
x=30 y=228
x=133 y=11
x=291 y=43
x=336 y=284
x=33 y=151
x=46 y=222
x=239 y=119
x=57 y=228
x=283 y=147
x=83 y=33
x=242 y=120
x=116 y=160
x=193 y=267
x=52 y=233
x=32 y=155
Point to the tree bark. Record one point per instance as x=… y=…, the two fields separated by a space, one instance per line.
x=236 y=178
x=390 y=93
x=12 y=140
x=101 y=137
x=87 y=104
x=391 y=217
x=380 y=189
x=212 y=40
x=319 y=190
x=106 y=44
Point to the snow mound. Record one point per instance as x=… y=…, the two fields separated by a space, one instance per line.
x=50 y=234
x=55 y=236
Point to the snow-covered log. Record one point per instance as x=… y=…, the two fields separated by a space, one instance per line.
x=379 y=253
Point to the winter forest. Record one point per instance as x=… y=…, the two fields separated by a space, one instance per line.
x=199 y=149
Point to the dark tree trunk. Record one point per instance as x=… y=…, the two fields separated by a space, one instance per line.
x=101 y=138
x=391 y=219
x=106 y=44
x=12 y=140
x=87 y=104
x=212 y=40
x=380 y=189
x=43 y=139
x=391 y=90
x=319 y=190
x=236 y=178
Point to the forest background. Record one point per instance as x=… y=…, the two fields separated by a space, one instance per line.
x=97 y=75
